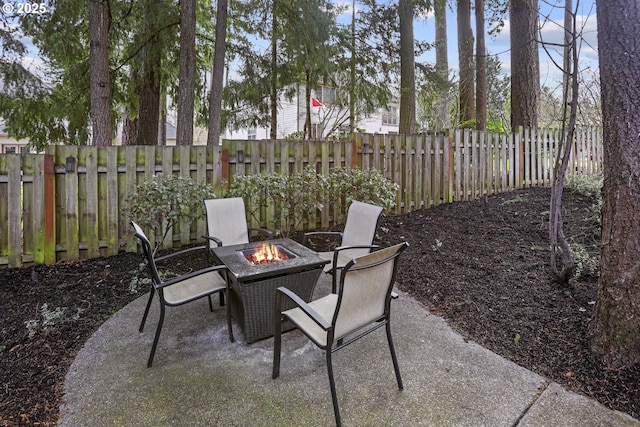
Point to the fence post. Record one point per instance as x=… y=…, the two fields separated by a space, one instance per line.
x=14 y=225
x=354 y=151
x=225 y=164
x=49 y=249
x=518 y=138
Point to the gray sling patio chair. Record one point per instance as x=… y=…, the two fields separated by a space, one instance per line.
x=356 y=239
x=227 y=222
x=226 y=226
x=361 y=305
x=178 y=290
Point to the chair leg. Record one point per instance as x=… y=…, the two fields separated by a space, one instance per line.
x=396 y=367
x=229 y=325
x=146 y=310
x=334 y=282
x=277 y=345
x=157 y=337
x=332 y=385
x=277 y=336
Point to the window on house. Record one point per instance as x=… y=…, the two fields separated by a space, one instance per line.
x=252 y=134
x=10 y=149
x=390 y=116
x=326 y=94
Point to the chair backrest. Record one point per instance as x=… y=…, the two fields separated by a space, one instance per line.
x=365 y=288
x=360 y=229
x=148 y=252
x=362 y=219
x=227 y=220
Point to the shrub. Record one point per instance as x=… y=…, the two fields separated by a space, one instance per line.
x=297 y=196
x=492 y=126
x=292 y=196
x=588 y=185
x=159 y=203
x=586 y=265
x=346 y=185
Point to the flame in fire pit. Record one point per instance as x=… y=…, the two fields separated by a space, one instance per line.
x=266 y=254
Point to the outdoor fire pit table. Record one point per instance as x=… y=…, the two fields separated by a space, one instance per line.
x=253 y=281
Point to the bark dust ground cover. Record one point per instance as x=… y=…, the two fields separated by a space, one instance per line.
x=481 y=265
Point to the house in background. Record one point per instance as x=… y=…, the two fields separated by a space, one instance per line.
x=326 y=117
x=11 y=145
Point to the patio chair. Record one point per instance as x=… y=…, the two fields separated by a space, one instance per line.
x=227 y=222
x=178 y=290
x=356 y=239
x=361 y=305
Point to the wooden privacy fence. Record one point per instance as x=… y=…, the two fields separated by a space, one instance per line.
x=70 y=202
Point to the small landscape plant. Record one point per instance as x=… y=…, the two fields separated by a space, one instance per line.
x=162 y=201
x=586 y=265
x=297 y=196
x=591 y=186
x=47 y=320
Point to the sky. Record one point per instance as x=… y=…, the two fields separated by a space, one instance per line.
x=551 y=32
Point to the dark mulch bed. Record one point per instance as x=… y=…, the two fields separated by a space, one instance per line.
x=481 y=265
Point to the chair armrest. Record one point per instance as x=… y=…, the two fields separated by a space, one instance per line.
x=269 y=233
x=303 y=306
x=342 y=248
x=320 y=233
x=336 y=252
x=188 y=276
x=181 y=252
x=215 y=239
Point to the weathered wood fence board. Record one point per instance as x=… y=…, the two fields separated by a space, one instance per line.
x=70 y=202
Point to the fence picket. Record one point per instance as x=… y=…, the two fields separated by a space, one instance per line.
x=70 y=202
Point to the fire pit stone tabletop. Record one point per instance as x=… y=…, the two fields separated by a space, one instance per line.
x=253 y=283
x=299 y=258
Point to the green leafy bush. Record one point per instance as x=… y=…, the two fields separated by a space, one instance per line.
x=586 y=265
x=159 y=203
x=492 y=126
x=297 y=196
x=589 y=185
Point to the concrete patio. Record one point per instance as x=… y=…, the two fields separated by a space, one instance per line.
x=199 y=378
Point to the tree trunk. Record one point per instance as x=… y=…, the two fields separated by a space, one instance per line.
x=129 y=128
x=162 y=127
x=187 y=72
x=481 y=69
x=443 y=118
x=352 y=72
x=149 y=107
x=615 y=325
x=273 y=89
x=407 y=123
x=465 y=55
x=99 y=65
x=215 y=108
x=557 y=238
x=525 y=63
x=307 y=99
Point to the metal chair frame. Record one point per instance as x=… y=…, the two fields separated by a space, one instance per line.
x=159 y=286
x=334 y=343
